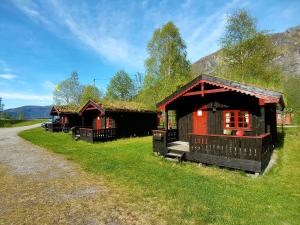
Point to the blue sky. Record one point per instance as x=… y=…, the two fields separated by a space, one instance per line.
x=42 y=42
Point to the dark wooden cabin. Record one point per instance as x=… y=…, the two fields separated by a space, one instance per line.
x=64 y=117
x=110 y=120
x=216 y=121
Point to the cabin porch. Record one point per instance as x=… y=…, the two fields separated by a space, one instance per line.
x=94 y=135
x=249 y=153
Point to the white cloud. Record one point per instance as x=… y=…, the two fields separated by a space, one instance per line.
x=4 y=66
x=7 y=76
x=105 y=31
x=25 y=96
x=49 y=85
x=32 y=10
x=119 y=34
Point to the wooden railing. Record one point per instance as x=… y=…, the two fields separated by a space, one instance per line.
x=161 y=138
x=97 y=135
x=220 y=149
x=76 y=130
x=159 y=141
x=105 y=134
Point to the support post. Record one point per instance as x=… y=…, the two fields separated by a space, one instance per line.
x=167 y=118
x=262 y=119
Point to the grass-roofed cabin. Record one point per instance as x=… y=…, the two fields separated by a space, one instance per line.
x=64 y=117
x=108 y=120
x=220 y=122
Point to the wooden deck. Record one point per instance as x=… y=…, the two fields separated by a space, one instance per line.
x=94 y=135
x=179 y=146
x=249 y=153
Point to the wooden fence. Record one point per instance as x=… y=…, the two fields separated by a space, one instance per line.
x=251 y=153
x=97 y=135
x=161 y=138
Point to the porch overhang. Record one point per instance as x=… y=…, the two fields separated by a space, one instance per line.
x=91 y=105
x=221 y=85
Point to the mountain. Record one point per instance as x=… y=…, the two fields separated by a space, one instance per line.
x=288 y=41
x=30 y=112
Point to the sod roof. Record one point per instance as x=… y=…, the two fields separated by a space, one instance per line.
x=116 y=106
x=124 y=106
x=67 y=109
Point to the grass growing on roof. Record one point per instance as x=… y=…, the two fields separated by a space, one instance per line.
x=123 y=105
x=185 y=193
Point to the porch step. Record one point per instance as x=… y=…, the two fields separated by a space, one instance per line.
x=172 y=159
x=174 y=156
x=77 y=137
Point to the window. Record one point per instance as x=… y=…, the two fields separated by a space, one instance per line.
x=172 y=119
x=172 y=122
x=161 y=118
x=236 y=119
x=108 y=122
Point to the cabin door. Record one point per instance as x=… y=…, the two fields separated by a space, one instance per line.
x=98 y=122
x=200 y=119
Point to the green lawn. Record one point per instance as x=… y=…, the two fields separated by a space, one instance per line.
x=186 y=193
x=20 y=123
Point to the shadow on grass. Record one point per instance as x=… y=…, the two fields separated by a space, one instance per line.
x=280 y=139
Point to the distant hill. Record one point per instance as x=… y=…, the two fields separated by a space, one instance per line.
x=30 y=112
x=288 y=41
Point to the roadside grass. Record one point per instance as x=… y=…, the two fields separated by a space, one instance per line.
x=187 y=193
x=20 y=123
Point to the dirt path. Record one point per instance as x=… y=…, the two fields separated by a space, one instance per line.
x=38 y=187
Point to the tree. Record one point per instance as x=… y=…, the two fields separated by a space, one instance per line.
x=89 y=92
x=248 y=54
x=138 y=82
x=167 y=67
x=68 y=91
x=121 y=87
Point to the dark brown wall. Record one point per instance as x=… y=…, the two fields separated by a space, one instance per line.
x=216 y=104
x=184 y=124
x=89 y=118
x=127 y=123
x=130 y=124
x=271 y=125
x=74 y=119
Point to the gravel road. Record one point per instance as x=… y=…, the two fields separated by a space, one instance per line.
x=40 y=187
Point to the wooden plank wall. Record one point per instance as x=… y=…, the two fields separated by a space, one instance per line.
x=184 y=124
x=220 y=102
x=133 y=124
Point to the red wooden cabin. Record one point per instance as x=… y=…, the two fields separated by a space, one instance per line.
x=105 y=121
x=220 y=122
x=67 y=117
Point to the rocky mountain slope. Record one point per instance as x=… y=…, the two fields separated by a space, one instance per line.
x=288 y=41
